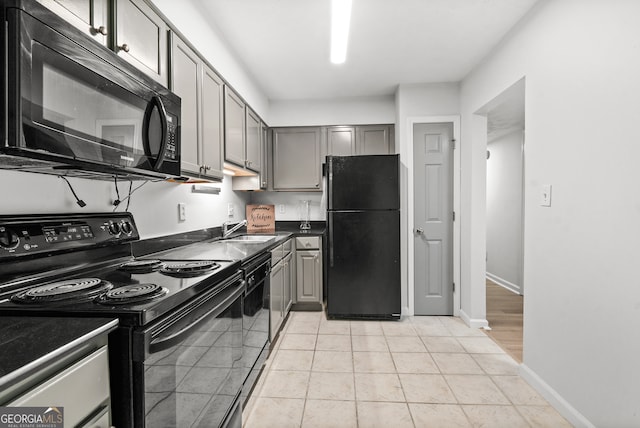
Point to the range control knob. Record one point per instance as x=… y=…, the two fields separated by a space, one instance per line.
x=114 y=228
x=126 y=227
x=8 y=238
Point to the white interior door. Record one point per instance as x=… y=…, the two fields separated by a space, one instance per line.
x=433 y=218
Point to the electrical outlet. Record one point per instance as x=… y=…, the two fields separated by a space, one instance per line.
x=230 y=210
x=182 y=211
x=281 y=208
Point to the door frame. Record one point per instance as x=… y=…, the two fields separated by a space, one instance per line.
x=455 y=120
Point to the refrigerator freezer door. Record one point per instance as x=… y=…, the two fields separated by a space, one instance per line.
x=363 y=182
x=363 y=273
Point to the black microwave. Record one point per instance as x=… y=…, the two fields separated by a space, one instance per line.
x=73 y=107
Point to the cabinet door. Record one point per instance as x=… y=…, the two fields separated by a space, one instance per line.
x=89 y=16
x=185 y=82
x=141 y=38
x=374 y=140
x=296 y=159
x=341 y=141
x=264 y=153
x=254 y=138
x=276 y=302
x=234 y=128
x=286 y=286
x=308 y=283
x=212 y=143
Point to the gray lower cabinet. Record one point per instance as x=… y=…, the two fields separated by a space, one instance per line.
x=89 y=16
x=201 y=91
x=141 y=38
x=309 y=270
x=82 y=389
x=296 y=158
x=276 y=300
x=282 y=284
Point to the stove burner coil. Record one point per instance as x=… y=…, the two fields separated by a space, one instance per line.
x=134 y=293
x=188 y=269
x=142 y=266
x=78 y=289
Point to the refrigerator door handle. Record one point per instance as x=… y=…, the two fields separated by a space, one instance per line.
x=330 y=239
x=329 y=182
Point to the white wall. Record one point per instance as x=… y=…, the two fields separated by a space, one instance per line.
x=345 y=111
x=504 y=210
x=416 y=101
x=154 y=205
x=581 y=59
x=189 y=19
x=292 y=203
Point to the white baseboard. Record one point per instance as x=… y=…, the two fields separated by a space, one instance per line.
x=504 y=283
x=473 y=322
x=560 y=404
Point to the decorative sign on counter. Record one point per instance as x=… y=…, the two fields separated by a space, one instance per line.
x=261 y=218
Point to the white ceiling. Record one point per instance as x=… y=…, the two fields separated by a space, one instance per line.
x=284 y=44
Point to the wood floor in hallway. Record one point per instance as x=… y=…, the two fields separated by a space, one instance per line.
x=504 y=313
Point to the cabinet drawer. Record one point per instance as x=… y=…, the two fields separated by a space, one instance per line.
x=286 y=247
x=276 y=254
x=307 y=242
x=80 y=389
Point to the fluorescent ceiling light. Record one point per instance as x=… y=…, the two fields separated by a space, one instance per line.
x=340 y=18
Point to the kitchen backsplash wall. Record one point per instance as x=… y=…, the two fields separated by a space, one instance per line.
x=154 y=205
x=291 y=204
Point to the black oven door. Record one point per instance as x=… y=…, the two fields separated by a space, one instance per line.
x=191 y=373
x=76 y=104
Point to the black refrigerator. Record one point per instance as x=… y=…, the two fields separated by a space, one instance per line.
x=363 y=242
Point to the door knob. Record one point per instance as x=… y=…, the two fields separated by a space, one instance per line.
x=420 y=231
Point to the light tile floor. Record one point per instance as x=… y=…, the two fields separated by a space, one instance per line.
x=418 y=372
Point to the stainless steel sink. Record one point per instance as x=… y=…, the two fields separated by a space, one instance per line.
x=251 y=239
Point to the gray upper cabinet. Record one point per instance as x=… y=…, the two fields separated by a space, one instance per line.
x=141 y=38
x=89 y=16
x=296 y=158
x=341 y=140
x=185 y=82
x=374 y=139
x=264 y=153
x=201 y=91
x=253 y=150
x=212 y=123
x=234 y=128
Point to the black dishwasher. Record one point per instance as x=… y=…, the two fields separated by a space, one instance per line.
x=255 y=320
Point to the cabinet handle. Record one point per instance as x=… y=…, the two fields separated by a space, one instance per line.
x=125 y=47
x=100 y=30
x=317 y=184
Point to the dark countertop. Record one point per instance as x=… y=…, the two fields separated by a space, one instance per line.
x=31 y=344
x=190 y=245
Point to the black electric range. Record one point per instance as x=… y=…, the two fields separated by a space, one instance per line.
x=170 y=310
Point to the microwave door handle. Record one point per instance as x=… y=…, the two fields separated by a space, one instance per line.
x=156 y=102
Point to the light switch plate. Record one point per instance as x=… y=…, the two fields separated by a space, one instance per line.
x=230 y=210
x=545 y=196
x=182 y=211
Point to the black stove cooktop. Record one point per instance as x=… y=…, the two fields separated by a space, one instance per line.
x=137 y=291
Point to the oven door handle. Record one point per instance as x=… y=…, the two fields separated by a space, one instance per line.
x=166 y=341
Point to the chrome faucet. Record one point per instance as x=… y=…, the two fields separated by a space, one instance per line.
x=226 y=224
